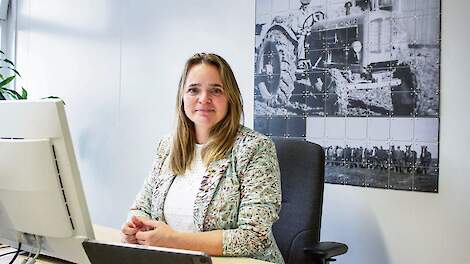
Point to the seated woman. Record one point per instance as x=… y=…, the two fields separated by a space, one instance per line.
x=215 y=184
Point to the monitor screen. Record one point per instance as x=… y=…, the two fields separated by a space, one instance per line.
x=41 y=195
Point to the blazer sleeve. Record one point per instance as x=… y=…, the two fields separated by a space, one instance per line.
x=142 y=205
x=260 y=201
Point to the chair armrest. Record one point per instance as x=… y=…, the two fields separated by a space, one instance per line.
x=326 y=250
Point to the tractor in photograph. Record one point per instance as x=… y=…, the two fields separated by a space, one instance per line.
x=360 y=61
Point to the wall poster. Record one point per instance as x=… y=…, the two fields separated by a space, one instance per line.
x=359 y=77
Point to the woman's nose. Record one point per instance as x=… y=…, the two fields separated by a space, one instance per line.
x=204 y=97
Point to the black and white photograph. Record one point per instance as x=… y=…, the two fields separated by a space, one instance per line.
x=389 y=159
x=375 y=62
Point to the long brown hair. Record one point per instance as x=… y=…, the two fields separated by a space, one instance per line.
x=222 y=135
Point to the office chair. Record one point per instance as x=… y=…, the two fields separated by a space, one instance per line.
x=297 y=231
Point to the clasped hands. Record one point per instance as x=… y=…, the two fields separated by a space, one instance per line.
x=148 y=232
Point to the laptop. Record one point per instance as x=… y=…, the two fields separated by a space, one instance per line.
x=101 y=252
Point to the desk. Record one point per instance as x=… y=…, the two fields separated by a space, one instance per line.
x=109 y=234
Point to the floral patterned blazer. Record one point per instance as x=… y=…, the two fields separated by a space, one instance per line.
x=240 y=195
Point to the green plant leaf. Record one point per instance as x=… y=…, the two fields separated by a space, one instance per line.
x=1 y=76
x=24 y=93
x=53 y=97
x=13 y=93
x=7 y=81
x=2 y=97
x=13 y=69
x=9 y=62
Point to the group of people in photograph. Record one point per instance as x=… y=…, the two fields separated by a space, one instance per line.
x=398 y=159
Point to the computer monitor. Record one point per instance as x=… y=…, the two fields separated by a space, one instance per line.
x=40 y=188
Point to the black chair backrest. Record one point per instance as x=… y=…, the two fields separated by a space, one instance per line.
x=302 y=166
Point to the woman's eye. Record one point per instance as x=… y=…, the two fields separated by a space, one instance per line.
x=217 y=91
x=192 y=91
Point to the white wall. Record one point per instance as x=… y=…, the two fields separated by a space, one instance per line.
x=116 y=64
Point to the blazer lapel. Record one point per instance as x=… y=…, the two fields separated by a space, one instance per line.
x=209 y=184
x=161 y=191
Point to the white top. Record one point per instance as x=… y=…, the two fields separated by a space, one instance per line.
x=179 y=202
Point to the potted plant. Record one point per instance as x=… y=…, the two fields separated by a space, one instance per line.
x=8 y=74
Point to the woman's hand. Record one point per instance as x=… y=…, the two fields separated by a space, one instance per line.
x=156 y=234
x=130 y=228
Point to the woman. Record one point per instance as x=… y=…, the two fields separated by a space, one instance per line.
x=215 y=185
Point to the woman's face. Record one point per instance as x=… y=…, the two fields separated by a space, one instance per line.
x=205 y=102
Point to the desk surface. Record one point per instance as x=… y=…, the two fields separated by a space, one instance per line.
x=110 y=234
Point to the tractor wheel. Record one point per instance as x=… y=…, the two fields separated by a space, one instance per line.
x=275 y=68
